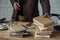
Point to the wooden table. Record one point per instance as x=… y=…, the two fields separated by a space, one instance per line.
x=4 y=35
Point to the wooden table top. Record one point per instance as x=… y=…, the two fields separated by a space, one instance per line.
x=5 y=35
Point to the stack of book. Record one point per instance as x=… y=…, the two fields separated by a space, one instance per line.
x=20 y=33
x=44 y=27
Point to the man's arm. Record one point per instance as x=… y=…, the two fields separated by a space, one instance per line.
x=16 y=6
x=45 y=8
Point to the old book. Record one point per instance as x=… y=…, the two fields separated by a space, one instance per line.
x=50 y=27
x=44 y=22
x=18 y=34
x=44 y=32
x=45 y=36
x=48 y=30
x=41 y=35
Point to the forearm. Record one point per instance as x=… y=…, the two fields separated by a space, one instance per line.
x=45 y=6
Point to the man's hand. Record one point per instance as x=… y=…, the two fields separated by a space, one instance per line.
x=46 y=15
x=16 y=6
